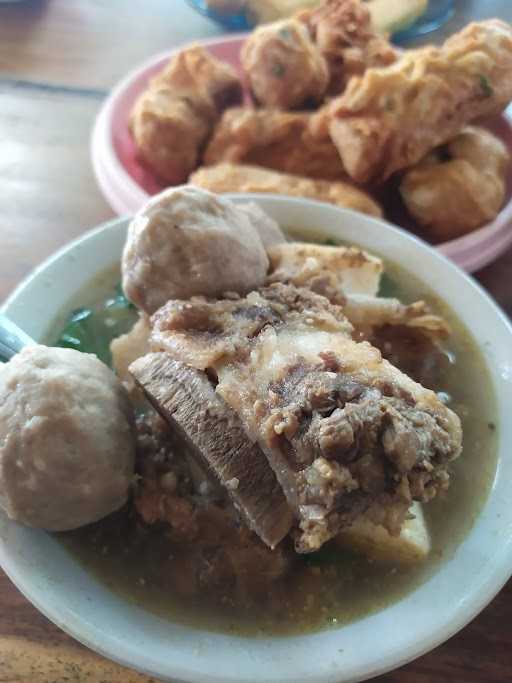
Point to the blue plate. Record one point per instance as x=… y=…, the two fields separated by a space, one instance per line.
x=438 y=12
x=233 y=22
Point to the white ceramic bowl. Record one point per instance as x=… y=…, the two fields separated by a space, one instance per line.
x=462 y=586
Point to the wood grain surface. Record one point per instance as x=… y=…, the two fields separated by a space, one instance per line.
x=91 y=44
x=58 y=58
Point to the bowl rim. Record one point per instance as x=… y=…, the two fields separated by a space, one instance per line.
x=472 y=251
x=466 y=609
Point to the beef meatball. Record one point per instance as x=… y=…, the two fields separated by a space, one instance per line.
x=67 y=445
x=188 y=242
x=269 y=231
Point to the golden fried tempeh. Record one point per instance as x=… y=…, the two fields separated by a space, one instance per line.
x=290 y=142
x=391 y=117
x=459 y=188
x=228 y=177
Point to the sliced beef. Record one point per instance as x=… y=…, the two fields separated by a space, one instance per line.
x=213 y=432
x=357 y=447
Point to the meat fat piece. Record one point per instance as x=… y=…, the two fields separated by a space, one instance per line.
x=346 y=270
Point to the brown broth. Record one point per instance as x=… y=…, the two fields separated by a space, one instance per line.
x=333 y=586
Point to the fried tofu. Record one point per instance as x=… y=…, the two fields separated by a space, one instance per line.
x=173 y=118
x=458 y=188
x=227 y=177
x=412 y=545
x=393 y=116
x=289 y=142
x=343 y=33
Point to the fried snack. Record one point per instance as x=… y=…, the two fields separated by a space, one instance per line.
x=196 y=70
x=387 y=16
x=265 y=11
x=290 y=142
x=228 y=177
x=391 y=17
x=391 y=117
x=460 y=187
x=169 y=132
x=173 y=118
x=343 y=32
x=284 y=68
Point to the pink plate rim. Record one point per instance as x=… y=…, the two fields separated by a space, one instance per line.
x=471 y=252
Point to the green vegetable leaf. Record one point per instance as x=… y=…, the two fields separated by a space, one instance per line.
x=278 y=70
x=485 y=86
x=91 y=330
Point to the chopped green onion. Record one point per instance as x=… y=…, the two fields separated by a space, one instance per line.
x=277 y=70
x=486 y=87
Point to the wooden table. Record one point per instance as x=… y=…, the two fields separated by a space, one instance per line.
x=58 y=59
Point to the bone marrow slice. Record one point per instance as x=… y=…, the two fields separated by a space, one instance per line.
x=213 y=432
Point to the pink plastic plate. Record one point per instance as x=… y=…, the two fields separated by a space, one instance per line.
x=127 y=184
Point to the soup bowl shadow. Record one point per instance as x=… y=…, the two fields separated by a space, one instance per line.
x=60 y=587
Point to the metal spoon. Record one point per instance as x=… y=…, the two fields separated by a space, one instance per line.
x=12 y=339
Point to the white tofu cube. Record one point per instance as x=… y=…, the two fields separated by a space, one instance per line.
x=412 y=545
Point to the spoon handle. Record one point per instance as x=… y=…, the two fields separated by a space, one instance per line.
x=12 y=339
